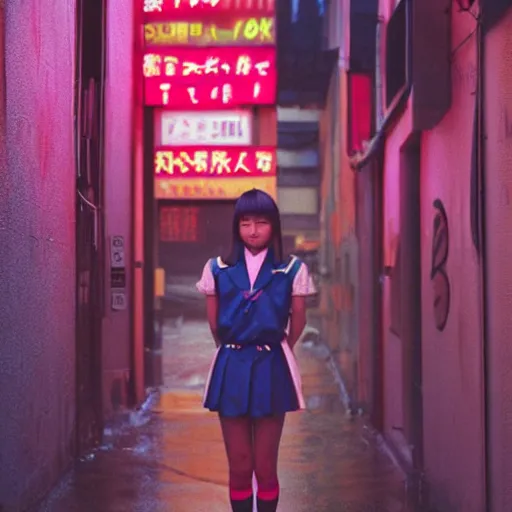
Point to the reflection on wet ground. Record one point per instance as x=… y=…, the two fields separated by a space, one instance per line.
x=170 y=456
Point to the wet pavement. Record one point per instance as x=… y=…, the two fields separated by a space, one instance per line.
x=170 y=458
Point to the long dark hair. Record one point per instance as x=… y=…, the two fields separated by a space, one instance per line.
x=255 y=202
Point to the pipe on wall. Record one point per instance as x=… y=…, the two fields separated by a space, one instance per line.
x=481 y=247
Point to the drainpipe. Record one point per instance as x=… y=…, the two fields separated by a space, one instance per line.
x=358 y=161
x=482 y=247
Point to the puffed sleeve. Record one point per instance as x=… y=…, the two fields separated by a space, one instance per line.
x=206 y=284
x=303 y=284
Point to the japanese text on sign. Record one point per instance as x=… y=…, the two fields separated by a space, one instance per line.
x=189 y=67
x=179 y=224
x=244 y=31
x=180 y=6
x=215 y=162
x=210 y=78
x=227 y=188
x=217 y=128
x=204 y=96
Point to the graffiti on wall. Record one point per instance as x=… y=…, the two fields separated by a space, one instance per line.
x=438 y=274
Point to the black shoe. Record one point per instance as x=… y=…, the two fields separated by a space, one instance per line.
x=267 y=506
x=242 y=505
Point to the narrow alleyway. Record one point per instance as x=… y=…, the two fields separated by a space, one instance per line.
x=170 y=457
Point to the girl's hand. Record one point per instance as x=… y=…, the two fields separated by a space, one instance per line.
x=297 y=319
x=212 y=309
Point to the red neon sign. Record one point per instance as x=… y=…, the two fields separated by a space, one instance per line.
x=359 y=112
x=217 y=162
x=243 y=31
x=177 y=7
x=210 y=77
x=179 y=224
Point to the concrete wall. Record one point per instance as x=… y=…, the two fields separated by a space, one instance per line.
x=498 y=169
x=453 y=407
x=393 y=418
x=452 y=357
x=37 y=248
x=338 y=195
x=119 y=106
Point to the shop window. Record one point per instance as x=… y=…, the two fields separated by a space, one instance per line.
x=179 y=224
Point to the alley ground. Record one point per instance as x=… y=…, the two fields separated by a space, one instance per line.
x=170 y=456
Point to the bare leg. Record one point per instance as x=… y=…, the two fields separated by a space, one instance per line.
x=267 y=437
x=237 y=433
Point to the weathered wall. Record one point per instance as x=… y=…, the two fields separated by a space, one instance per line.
x=339 y=288
x=452 y=355
x=37 y=248
x=392 y=344
x=498 y=169
x=119 y=105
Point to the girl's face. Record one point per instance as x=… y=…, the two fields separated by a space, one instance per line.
x=255 y=232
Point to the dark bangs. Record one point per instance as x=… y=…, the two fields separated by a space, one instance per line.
x=255 y=202
x=258 y=203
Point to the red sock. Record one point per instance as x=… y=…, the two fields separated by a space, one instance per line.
x=269 y=494
x=237 y=495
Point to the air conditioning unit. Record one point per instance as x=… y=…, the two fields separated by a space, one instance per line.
x=417 y=55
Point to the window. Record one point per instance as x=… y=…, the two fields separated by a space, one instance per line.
x=298 y=201
x=301 y=158
x=179 y=224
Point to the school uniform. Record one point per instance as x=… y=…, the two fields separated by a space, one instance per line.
x=254 y=372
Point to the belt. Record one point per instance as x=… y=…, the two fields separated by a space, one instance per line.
x=260 y=348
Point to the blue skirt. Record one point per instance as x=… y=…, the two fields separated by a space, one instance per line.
x=251 y=381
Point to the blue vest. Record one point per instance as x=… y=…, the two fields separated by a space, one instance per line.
x=258 y=315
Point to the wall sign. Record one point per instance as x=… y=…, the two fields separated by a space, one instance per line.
x=245 y=31
x=227 y=188
x=159 y=8
x=119 y=301
x=117 y=273
x=215 y=163
x=179 y=224
x=212 y=128
x=210 y=78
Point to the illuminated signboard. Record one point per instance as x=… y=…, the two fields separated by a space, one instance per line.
x=241 y=31
x=180 y=224
x=210 y=78
x=179 y=7
x=212 y=128
x=227 y=188
x=215 y=163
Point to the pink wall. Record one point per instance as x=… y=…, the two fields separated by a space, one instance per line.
x=37 y=248
x=392 y=349
x=119 y=103
x=498 y=169
x=452 y=358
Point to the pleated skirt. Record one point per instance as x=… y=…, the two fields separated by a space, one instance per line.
x=254 y=381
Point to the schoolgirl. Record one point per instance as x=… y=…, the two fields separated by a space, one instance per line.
x=256 y=311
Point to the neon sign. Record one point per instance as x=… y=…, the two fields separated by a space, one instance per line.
x=227 y=188
x=171 y=7
x=210 y=78
x=243 y=31
x=186 y=65
x=179 y=224
x=214 y=163
x=213 y=128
